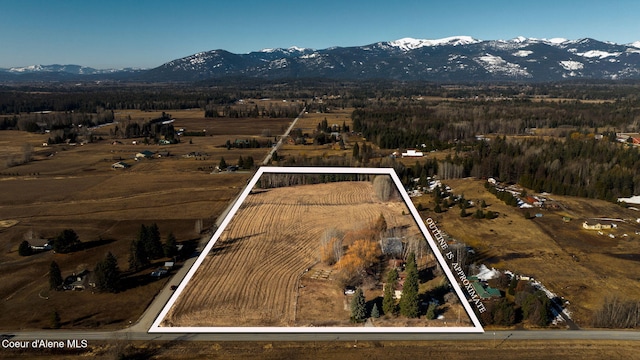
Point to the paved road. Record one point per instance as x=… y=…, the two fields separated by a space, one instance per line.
x=279 y=143
x=495 y=336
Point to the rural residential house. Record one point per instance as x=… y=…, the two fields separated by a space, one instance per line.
x=40 y=245
x=120 y=165
x=146 y=154
x=412 y=153
x=595 y=225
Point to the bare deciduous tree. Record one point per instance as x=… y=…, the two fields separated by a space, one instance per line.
x=27 y=150
x=383 y=187
x=331 y=247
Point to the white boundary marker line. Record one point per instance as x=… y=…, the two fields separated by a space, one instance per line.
x=477 y=328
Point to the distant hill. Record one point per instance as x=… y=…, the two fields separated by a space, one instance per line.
x=453 y=59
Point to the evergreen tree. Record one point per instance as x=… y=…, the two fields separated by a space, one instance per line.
x=431 y=311
x=503 y=313
x=358 y=307
x=153 y=243
x=248 y=162
x=55 y=277
x=55 y=320
x=107 y=274
x=437 y=208
x=25 y=249
x=138 y=257
x=223 y=164
x=512 y=286
x=388 y=300
x=66 y=241
x=375 y=313
x=381 y=224
x=409 y=300
x=170 y=249
x=356 y=151
x=240 y=163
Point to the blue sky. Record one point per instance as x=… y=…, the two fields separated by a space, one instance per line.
x=148 y=33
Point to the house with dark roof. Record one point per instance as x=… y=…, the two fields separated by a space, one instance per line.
x=145 y=154
x=120 y=165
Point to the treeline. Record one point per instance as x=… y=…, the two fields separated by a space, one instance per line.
x=35 y=122
x=282 y=180
x=573 y=166
x=617 y=313
x=156 y=129
x=61 y=97
x=247 y=111
x=437 y=124
x=89 y=99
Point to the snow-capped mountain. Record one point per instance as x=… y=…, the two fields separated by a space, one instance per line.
x=456 y=59
x=57 y=72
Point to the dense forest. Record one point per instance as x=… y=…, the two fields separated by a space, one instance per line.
x=572 y=162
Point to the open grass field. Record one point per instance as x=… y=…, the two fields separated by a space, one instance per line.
x=264 y=269
x=580 y=265
x=74 y=187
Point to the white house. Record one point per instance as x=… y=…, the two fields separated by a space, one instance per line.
x=412 y=153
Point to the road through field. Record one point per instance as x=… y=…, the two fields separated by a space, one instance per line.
x=279 y=143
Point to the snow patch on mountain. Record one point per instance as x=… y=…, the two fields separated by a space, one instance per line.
x=309 y=56
x=291 y=49
x=29 y=68
x=497 y=65
x=522 y=53
x=407 y=44
x=597 y=54
x=571 y=65
x=555 y=41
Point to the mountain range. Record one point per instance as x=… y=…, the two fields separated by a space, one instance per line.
x=452 y=59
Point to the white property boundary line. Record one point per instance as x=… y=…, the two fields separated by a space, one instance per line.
x=477 y=328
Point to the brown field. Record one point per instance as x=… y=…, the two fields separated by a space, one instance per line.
x=67 y=186
x=579 y=265
x=308 y=124
x=257 y=273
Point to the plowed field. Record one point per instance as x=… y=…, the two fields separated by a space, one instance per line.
x=251 y=277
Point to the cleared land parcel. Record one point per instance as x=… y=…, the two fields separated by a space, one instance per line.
x=265 y=269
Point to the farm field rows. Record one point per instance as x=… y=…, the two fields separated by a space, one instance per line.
x=252 y=275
